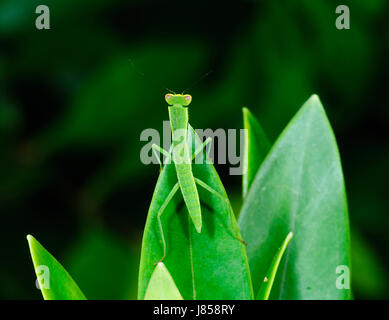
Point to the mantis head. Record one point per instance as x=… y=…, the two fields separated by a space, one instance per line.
x=181 y=99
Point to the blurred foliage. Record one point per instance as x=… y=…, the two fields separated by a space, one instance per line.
x=104 y=265
x=73 y=102
x=369 y=276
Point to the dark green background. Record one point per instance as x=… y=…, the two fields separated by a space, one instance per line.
x=72 y=107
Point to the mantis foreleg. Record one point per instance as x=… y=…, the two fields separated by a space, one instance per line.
x=157 y=157
x=201 y=148
x=160 y=150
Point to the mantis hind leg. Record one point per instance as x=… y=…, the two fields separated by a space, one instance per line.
x=160 y=211
x=214 y=192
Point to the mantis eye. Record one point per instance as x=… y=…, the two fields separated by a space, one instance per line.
x=167 y=98
x=188 y=98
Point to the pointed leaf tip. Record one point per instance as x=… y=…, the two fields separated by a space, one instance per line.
x=256 y=147
x=266 y=287
x=54 y=281
x=161 y=285
x=300 y=187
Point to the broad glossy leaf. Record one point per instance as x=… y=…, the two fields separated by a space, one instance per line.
x=209 y=265
x=161 y=285
x=55 y=282
x=300 y=188
x=267 y=284
x=256 y=147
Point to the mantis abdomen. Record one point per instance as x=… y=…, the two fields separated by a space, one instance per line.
x=189 y=193
x=183 y=163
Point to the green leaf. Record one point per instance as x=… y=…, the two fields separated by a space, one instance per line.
x=209 y=265
x=300 y=188
x=161 y=285
x=55 y=282
x=264 y=290
x=256 y=148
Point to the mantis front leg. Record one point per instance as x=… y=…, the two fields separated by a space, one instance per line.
x=156 y=149
x=201 y=147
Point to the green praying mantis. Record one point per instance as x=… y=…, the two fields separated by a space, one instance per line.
x=182 y=158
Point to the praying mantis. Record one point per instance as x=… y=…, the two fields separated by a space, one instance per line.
x=180 y=154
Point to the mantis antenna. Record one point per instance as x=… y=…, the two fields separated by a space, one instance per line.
x=198 y=81
x=144 y=75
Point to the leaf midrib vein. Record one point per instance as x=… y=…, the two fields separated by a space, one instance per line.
x=294 y=214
